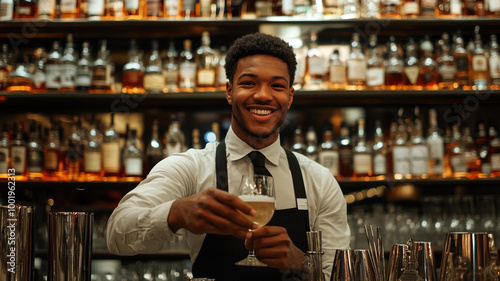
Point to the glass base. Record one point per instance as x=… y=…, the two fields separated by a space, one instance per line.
x=251 y=261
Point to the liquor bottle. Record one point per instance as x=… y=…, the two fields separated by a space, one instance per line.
x=189 y=10
x=63 y=151
x=400 y=150
x=328 y=151
x=173 y=9
x=206 y=61
x=494 y=63
x=390 y=8
x=316 y=66
x=411 y=68
x=462 y=59
x=132 y=158
x=6 y=10
x=394 y=67
x=419 y=153
x=92 y=155
x=458 y=162
x=375 y=71
x=300 y=8
x=174 y=138
x=494 y=152
x=332 y=8
x=111 y=152
x=35 y=153
x=154 y=9
x=114 y=9
x=52 y=157
x=350 y=9
x=74 y=159
x=53 y=68
x=20 y=79
x=4 y=152
x=379 y=152
x=492 y=8
x=444 y=8
x=474 y=8
x=68 y=66
x=25 y=9
x=204 y=8
x=428 y=69
x=362 y=157
x=300 y=73
x=345 y=152
x=455 y=8
x=5 y=68
x=83 y=79
x=46 y=9
x=471 y=154
x=447 y=69
x=428 y=8
x=435 y=147
x=18 y=153
x=95 y=9
x=133 y=73
x=410 y=9
x=221 y=72
x=479 y=63
x=195 y=136
x=337 y=72
x=298 y=144
x=153 y=77
x=187 y=68
x=154 y=152
x=69 y=9
x=38 y=72
x=171 y=69
x=370 y=8
x=447 y=148
x=311 y=144
x=356 y=65
x=101 y=72
x=83 y=9
x=133 y=9
x=482 y=143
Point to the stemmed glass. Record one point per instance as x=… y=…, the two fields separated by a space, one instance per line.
x=258 y=192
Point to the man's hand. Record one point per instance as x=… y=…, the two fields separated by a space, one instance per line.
x=212 y=211
x=274 y=247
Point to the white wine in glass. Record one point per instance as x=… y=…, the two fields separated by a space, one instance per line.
x=258 y=192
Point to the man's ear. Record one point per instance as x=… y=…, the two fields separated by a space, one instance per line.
x=290 y=97
x=229 y=93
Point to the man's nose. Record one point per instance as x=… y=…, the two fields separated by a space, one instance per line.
x=264 y=93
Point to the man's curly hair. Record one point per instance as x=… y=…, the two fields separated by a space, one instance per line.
x=260 y=44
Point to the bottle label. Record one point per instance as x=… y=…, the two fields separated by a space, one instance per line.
x=428 y=7
x=39 y=78
x=356 y=70
x=172 y=8
x=401 y=160
x=479 y=63
x=495 y=66
x=35 y=161
x=133 y=167
x=154 y=82
x=494 y=6
x=96 y=7
x=187 y=71
x=436 y=155
x=83 y=77
x=337 y=74
x=458 y=164
x=410 y=8
x=375 y=76
x=379 y=164
x=93 y=162
x=171 y=77
x=456 y=8
x=111 y=157
x=18 y=159
x=419 y=157
x=3 y=75
x=495 y=162
x=462 y=63
x=50 y=161
x=115 y=7
x=188 y=5
x=330 y=160
x=68 y=75
x=131 y=5
x=153 y=8
x=4 y=160
x=447 y=73
x=53 y=76
x=68 y=6
x=362 y=163
x=317 y=66
x=206 y=77
x=46 y=7
x=102 y=76
x=6 y=10
x=411 y=73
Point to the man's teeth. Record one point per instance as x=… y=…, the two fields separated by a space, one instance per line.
x=260 y=111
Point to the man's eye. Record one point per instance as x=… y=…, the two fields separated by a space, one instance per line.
x=247 y=83
x=278 y=85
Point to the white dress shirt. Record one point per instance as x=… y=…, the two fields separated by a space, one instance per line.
x=139 y=224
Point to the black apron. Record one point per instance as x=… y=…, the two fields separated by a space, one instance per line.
x=219 y=252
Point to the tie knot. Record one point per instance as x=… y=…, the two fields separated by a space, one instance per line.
x=259 y=163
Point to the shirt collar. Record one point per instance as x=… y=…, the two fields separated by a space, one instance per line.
x=236 y=148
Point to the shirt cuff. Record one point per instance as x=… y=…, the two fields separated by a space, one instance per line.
x=159 y=222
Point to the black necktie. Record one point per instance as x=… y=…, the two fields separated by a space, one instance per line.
x=259 y=163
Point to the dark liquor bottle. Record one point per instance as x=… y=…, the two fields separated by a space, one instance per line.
x=154 y=151
x=20 y=79
x=83 y=79
x=35 y=153
x=428 y=68
x=68 y=65
x=5 y=67
x=494 y=152
x=101 y=72
x=74 y=158
x=53 y=68
x=26 y=9
x=18 y=152
x=394 y=67
x=133 y=72
x=411 y=67
x=462 y=59
x=471 y=154
x=482 y=144
x=4 y=152
x=52 y=158
x=345 y=152
x=39 y=77
x=458 y=162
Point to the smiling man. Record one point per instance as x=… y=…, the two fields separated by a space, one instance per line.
x=194 y=193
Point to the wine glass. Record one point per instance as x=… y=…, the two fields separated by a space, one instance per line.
x=258 y=192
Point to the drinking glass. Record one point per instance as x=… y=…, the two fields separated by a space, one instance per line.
x=258 y=192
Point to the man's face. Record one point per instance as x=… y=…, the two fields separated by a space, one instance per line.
x=260 y=97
